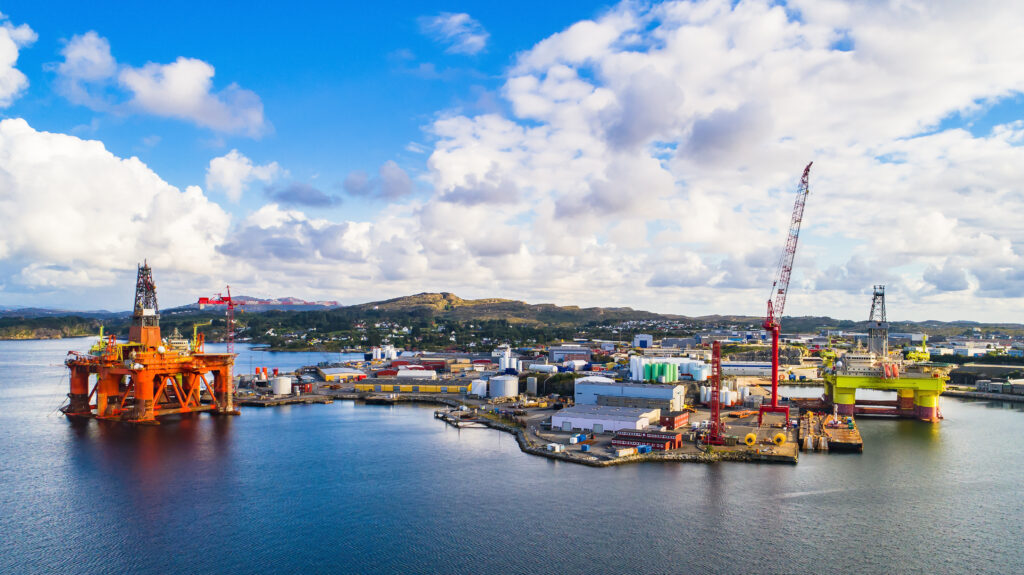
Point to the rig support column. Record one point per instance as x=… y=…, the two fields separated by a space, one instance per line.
x=926 y=405
x=225 y=395
x=79 y=395
x=905 y=400
x=845 y=400
x=144 y=384
x=107 y=387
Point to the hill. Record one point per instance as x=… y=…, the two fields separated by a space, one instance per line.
x=449 y=306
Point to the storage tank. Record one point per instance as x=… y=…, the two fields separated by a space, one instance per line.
x=503 y=386
x=478 y=387
x=531 y=385
x=281 y=385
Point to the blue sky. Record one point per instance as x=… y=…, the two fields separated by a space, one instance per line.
x=620 y=154
x=340 y=83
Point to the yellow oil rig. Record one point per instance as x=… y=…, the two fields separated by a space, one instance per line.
x=918 y=384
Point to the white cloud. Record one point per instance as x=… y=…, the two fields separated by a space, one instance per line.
x=87 y=63
x=182 y=89
x=12 y=38
x=83 y=213
x=233 y=172
x=460 y=32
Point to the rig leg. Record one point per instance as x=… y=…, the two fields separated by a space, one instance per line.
x=79 y=394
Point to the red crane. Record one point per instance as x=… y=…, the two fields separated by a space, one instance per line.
x=715 y=436
x=221 y=300
x=773 y=321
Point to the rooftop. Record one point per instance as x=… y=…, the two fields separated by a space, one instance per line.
x=606 y=412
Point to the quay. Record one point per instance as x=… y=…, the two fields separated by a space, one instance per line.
x=272 y=401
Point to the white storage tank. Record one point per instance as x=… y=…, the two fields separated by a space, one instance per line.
x=503 y=386
x=531 y=385
x=281 y=385
x=478 y=387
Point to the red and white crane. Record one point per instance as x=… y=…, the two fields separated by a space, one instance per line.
x=222 y=300
x=773 y=321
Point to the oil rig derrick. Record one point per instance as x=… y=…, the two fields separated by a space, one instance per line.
x=878 y=327
x=147 y=377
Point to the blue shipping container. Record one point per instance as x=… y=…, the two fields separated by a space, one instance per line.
x=584 y=447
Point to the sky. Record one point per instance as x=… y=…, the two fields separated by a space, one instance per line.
x=621 y=154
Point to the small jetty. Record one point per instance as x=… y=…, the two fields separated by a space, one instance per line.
x=459 y=419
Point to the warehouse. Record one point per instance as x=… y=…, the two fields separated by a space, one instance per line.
x=600 y=419
x=597 y=390
x=756 y=368
x=411 y=387
x=340 y=374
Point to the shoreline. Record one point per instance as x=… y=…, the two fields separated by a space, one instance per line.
x=527 y=447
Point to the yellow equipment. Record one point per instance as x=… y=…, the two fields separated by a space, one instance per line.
x=750 y=439
x=779 y=439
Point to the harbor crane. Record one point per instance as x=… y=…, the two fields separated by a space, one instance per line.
x=780 y=287
x=225 y=300
x=715 y=436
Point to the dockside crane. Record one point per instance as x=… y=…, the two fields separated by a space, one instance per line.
x=225 y=300
x=777 y=299
x=715 y=435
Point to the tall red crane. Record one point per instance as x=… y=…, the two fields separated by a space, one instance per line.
x=222 y=300
x=773 y=321
x=715 y=436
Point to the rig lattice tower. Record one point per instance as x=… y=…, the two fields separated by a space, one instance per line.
x=878 y=328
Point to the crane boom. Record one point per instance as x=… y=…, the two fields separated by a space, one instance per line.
x=221 y=300
x=777 y=299
x=781 y=285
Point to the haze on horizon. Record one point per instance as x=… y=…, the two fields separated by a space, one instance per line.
x=631 y=154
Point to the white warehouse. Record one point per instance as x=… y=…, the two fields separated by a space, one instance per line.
x=758 y=368
x=600 y=419
x=596 y=390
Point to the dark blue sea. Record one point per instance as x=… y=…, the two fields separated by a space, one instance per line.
x=347 y=488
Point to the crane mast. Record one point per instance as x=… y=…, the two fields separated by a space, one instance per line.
x=221 y=300
x=780 y=288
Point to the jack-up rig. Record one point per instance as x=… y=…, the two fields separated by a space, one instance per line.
x=148 y=377
x=773 y=320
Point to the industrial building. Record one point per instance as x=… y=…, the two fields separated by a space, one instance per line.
x=597 y=390
x=416 y=374
x=755 y=368
x=600 y=419
x=344 y=374
x=643 y=340
x=410 y=387
x=560 y=353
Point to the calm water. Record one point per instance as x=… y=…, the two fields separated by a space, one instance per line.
x=355 y=489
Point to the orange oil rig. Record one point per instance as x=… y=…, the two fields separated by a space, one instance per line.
x=149 y=377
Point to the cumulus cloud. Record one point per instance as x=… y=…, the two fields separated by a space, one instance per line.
x=949 y=277
x=12 y=39
x=88 y=67
x=458 y=31
x=233 y=172
x=82 y=212
x=182 y=89
x=391 y=183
